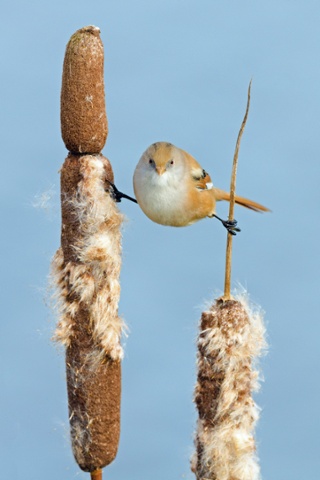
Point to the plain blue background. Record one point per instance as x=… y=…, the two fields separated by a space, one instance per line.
x=176 y=71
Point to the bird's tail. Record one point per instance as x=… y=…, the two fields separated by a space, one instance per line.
x=245 y=202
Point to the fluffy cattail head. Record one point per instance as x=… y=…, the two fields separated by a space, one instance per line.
x=230 y=337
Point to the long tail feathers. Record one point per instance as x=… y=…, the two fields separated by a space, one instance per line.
x=244 y=202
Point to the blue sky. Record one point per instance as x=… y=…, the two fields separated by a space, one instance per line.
x=176 y=71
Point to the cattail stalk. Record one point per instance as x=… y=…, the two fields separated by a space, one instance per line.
x=231 y=336
x=86 y=267
x=227 y=280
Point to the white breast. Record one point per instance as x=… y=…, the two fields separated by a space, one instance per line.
x=161 y=197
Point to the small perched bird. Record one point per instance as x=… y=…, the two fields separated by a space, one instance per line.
x=173 y=189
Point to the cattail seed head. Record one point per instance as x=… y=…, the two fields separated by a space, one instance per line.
x=86 y=267
x=229 y=339
x=86 y=270
x=84 y=125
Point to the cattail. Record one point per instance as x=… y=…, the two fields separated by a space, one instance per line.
x=231 y=336
x=86 y=267
x=84 y=125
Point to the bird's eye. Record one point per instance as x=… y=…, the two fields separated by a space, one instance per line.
x=151 y=161
x=170 y=163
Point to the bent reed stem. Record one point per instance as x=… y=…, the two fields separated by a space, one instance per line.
x=227 y=281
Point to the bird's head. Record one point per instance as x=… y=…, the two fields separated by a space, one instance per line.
x=162 y=159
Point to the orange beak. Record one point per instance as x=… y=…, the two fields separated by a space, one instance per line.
x=160 y=170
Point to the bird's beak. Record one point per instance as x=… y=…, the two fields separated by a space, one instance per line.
x=160 y=170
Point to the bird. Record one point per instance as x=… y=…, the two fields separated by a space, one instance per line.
x=173 y=189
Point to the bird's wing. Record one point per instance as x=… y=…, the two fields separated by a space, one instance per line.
x=199 y=177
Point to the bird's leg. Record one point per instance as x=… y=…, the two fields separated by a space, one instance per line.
x=117 y=195
x=230 y=225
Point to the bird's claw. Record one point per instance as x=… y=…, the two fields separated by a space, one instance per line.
x=117 y=195
x=231 y=226
x=114 y=192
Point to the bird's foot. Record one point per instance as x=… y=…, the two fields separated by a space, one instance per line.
x=117 y=195
x=230 y=225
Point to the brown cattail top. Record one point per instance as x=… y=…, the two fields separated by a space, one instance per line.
x=84 y=125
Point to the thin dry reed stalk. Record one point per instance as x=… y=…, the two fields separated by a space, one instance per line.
x=227 y=280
